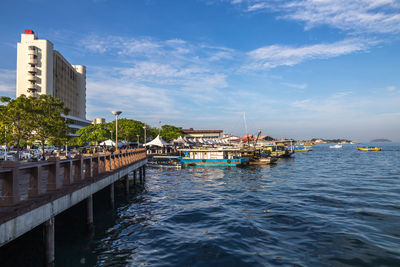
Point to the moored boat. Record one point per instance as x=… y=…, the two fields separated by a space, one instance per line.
x=302 y=149
x=164 y=161
x=369 y=148
x=263 y=161
x=336 y=146
x=213 y=157
x=278 y=151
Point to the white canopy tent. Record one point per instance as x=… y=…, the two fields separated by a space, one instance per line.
x=180 y=140
x=158 y=141
x=110 y=142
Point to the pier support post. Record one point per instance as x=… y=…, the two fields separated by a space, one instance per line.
x=112 y=201
x=68 y=175
x=49 y=241
x=89 y=206
x=35 y=181
x=134 y=178
x=144 y=171
x=10 y=186
x=140 y=175
x=127 y=184
x=78 y=169
x=54 y=180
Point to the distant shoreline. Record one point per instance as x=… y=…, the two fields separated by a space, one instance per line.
x=381 y=140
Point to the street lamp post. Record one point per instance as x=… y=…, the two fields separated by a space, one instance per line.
x=138 y=140
x=145 y=139
x=116 y=113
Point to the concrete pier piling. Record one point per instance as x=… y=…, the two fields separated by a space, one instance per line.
x=112 y=201
x=49 y=241
x=32 y=194
x=127 y=184
x=89 y=213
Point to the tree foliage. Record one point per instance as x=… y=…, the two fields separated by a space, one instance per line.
x=128 y=130
x=169 y=132
x=48 y=124
x=27 y=119
x=93 y=134
x=16 y=120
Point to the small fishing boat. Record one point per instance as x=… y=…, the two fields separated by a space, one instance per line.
x=164 y=161
x=278 y=151
x=302 y=149
x=213 y=157
x=263 y=161
x=369 y=148
x=336 y=146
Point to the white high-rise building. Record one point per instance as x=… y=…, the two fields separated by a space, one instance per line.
x=43 y=70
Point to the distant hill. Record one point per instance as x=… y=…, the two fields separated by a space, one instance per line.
x=380 y=140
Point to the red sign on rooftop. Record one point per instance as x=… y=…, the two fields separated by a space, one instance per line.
x=29 y=32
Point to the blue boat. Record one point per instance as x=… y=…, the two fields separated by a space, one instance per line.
x=214 y=157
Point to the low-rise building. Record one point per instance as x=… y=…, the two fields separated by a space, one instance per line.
x=208 y=134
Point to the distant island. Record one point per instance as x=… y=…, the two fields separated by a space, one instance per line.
x=337 y=140
x=380 y=140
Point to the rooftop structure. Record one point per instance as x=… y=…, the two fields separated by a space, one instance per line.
x=190 y=133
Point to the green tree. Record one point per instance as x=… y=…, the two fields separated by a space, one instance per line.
x=94 y=133
x=169 y=132
x=16 y=120
x=129 y=129
x=48 y=124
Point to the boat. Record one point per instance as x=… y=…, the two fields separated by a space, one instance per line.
x=164 y=161
x=213 y=157
x=302 y=149
x=369 y=148
x=278 y=151
x=336 y=146
x=263 y=161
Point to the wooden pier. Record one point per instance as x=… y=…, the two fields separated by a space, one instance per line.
x=32 y=194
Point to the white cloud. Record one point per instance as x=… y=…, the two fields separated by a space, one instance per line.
x=295 y=85
x=391 y=88
x=7 y=82
x=279 y=55
x=370 y=16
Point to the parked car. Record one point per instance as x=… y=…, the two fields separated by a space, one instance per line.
x=6 y=155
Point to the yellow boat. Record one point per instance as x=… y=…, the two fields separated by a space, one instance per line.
x=369 y=148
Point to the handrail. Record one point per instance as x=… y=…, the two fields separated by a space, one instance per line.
x=19 y=182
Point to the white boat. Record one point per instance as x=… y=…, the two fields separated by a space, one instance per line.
x=336 y=146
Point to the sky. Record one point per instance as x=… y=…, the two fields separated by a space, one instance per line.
x=296 y=68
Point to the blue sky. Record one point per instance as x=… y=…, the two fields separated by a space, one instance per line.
x=297 y=68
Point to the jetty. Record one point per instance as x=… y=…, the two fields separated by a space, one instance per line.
x=32 y=194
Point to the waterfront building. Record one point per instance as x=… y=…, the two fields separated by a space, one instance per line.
x=208 y=134
x=43 y=70
x=98 y=121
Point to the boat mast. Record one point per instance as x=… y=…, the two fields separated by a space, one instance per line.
x=245 y=125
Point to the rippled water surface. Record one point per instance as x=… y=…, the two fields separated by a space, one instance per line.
x=328 y=207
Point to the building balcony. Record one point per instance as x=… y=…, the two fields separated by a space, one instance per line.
x=32 y=87
x=33 y=61
x=31 y=78
x=32 y=69
x=32 y=51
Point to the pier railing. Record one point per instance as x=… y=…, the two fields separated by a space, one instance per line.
x=19 y=182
